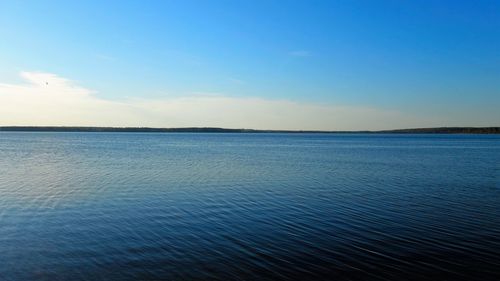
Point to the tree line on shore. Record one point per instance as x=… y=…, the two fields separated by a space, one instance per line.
x=440 y=130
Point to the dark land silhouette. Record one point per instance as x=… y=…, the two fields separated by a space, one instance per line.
x=438 y=130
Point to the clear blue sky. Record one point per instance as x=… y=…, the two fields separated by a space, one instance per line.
x=424 y=58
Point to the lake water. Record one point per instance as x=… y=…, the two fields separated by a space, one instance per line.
x=132 y=206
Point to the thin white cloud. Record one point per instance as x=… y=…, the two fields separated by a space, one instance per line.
x=236 y=80
x=48 y=99
x=300 y=53
x=105 y=57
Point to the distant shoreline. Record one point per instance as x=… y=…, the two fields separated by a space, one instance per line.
x=438 y=130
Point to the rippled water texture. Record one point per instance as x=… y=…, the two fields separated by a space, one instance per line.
x=120 y=206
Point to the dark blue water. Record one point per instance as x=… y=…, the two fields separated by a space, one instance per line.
x=119 y=206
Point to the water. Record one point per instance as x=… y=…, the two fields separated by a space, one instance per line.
x=130 y=206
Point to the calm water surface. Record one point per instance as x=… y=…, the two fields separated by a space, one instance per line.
x=120 y=206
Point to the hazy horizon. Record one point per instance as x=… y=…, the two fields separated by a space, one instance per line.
x=256 y=65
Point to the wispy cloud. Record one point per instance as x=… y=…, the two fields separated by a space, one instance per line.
x=236 y=80
x=105 y=57
x=48 y=99
x=299 y=53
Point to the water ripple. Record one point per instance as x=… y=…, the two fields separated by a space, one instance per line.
x=118 y=206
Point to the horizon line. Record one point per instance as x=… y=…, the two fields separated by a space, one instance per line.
x=435 y=130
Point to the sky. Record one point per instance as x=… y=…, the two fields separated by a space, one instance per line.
x=311 y=65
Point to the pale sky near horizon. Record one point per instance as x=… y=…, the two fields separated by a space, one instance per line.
x=320 y=65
